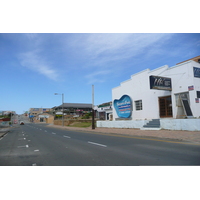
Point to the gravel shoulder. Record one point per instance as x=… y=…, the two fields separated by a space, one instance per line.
x=188 y=136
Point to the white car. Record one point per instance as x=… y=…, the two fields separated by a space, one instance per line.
x=21 y=123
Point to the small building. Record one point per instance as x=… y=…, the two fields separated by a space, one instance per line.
x=104 y=111
x=36 y=111
x=44 y=117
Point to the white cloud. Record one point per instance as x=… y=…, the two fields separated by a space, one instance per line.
x=107 y=50
x=33 y=61
x=120 y=46
x=97 y=76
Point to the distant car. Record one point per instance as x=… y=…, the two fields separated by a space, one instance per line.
x=21 y=123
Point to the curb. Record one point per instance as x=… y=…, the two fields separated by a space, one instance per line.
x=2 y=134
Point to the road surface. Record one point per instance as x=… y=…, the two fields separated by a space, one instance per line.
x=39 y=145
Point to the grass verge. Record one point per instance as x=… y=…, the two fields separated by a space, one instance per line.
x=81 y=124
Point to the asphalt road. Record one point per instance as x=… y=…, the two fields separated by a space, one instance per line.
x=39 y=145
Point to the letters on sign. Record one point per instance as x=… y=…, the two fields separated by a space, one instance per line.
x=123 y=106
x=160 y=83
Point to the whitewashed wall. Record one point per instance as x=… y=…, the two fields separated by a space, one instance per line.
x=168 y=124
x=122 y=124
x=180 y=124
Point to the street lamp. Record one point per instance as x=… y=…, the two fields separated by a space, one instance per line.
x=62 y=107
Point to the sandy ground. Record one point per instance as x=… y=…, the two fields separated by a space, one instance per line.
x=190 y=136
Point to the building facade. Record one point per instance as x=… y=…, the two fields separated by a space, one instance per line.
x=35 y=111
x=78 y=109
x=104 y=111
x=166 y=92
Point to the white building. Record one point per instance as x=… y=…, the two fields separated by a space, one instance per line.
x=104 y=111
x=163 y=93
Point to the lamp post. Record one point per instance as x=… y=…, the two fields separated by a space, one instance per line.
x=62 y=107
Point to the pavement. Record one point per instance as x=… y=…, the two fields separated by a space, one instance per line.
x=179 y=136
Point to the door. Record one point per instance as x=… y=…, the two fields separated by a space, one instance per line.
x=165 y=105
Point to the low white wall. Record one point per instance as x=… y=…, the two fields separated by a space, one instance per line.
x=122 y=124
x=180 y=124
x=168 y=124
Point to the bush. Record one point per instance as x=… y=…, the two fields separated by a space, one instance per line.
x=58 y=116
x=87 y=116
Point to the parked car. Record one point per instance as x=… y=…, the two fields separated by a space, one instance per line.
x=21 y=123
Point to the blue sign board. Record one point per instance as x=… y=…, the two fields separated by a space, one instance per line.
x=123 y=106
x=196 y=72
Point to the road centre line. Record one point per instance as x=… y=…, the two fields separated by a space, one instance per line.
x=97 y=144
x=53 y=133
x=66 y=136
x=22 y=139
x=26 y=146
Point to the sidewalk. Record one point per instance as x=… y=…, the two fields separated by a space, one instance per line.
x=180 y=136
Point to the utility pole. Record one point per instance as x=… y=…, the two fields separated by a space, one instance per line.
x=93 y=123
x=63 y=109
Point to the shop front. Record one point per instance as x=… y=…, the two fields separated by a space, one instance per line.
x=165 y=106
x=168 y=95
x=165 y=92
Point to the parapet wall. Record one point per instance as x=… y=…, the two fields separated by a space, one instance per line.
x=167 y=124
x=180 y=124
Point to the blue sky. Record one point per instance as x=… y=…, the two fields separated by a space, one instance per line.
x=35 y=66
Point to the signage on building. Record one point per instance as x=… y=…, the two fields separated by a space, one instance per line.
x=196 y=72
x=43 y=116
x=123 y=106
x=191 y=87
x=160 y=83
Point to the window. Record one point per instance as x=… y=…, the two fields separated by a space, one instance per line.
x=198 y=94
x=138 y=105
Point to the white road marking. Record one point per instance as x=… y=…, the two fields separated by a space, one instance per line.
x=1 y=138
x=45 y=131
x=26 y=146
x=22 y=139
x=34 y=164
x=53 y=133
x=97 y=144
x=66 y=136
x=36 y=150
